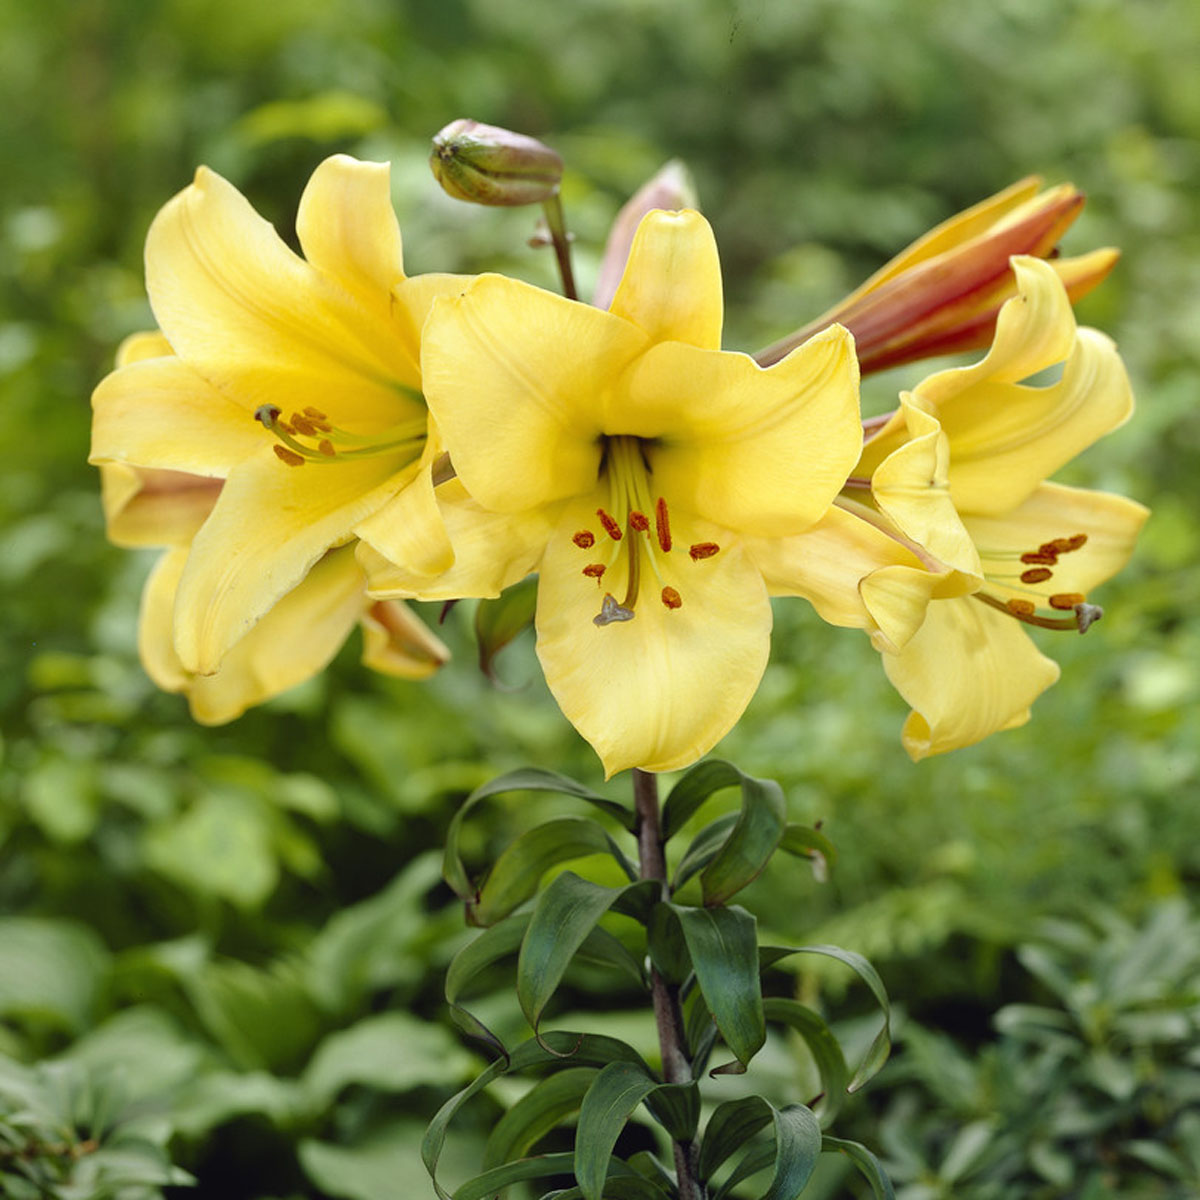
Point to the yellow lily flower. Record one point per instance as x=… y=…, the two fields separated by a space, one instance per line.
x=959 y=470
x=632 y=462
x=942 y=294
x=295 y=380
x=294 y=640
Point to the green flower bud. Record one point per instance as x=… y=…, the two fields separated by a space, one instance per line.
x=487 y=165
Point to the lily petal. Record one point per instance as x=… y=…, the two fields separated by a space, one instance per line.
x=154 y=508
x=516 y=380
x=657 y=691
x=671 y=287
x=397 y=642
x=1006 y=438
x=270 y=525
x=852 y=573
x=492 y=551
x=912 y=487
x=1035 y=330
x=760 y=450
x=348 y=230
x=295 y=640
x=158 y=412
x=968 y=672
x=262 y=324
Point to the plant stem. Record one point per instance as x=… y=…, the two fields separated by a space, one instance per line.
x=677 y=1066
x=557 y=224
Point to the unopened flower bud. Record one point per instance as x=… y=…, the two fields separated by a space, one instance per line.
x=943 y=293
x=487 y=165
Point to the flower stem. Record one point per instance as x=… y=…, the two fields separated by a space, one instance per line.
x=677 y=1066
x=557 y=224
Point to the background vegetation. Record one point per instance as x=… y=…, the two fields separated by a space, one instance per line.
x=228 y=943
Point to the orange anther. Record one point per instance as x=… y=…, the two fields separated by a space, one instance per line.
x=288 y=456
x=303 y=425
x=594 y=571
x=1076 y=541
x=638 y=521
x=326 y=448
x=1049 y=558
x=670 y=597
x=610 y=526
x=1036 y=575
x=1066 y=600
x=315 y=413
x=703 y=550
x=585 y=539
x=662 y=525
x=1020 y=608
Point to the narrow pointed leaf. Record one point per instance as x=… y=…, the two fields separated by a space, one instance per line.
x=623 y=1182
x=750 y=844
x=500 y=620
x=665 y=944
x=540 y=1110
x=527 y=779
x=700 y=783
x=730 y=1127
x=722 y=943
x=794 y=1152
x=614 y=1094
x=881 y=1046
x=824 y=1047
x=520 y=868
x=566 y=912
x=703 y=849
x=583 y=1050
x=867 y=1164
x=676 y=1107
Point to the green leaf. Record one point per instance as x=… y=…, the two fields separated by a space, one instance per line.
x=754 y=836
x=881 y=1046
x=794 y=1154
x=520 y=868
x=491 y=1182
x=824 y=1047
x=566 y=912
x=665 y=944
x=722 y=943
x=527 y=779
x=676 y=1107
x=703 y=849
x=499 y=620
x=729 y=1128
x=866 y=1162
x=615 y=1092
x=392 y=1052
x=539 y=1111
x=693 y=789
x=583 y=1050
x=750 y=845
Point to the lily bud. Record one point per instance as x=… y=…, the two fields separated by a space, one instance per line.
x=484 y=164
x=943 y=293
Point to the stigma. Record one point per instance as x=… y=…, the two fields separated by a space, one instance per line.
x=307 y=436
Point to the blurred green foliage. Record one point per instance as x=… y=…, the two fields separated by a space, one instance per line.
x=240 y=931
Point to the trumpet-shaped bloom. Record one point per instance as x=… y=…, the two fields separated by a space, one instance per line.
x=294 y=640
x=960 y=471
x=637 y=467
x=943 y=293
x=294 y=380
